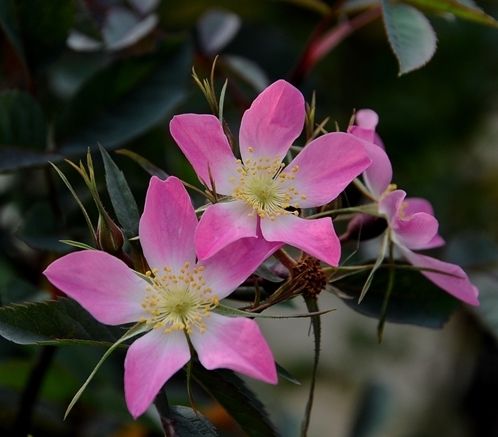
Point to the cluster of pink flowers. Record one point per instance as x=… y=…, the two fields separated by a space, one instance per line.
x=194 y=264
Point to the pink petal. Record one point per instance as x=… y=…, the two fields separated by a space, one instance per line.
x=437 y=241
x=366 y=122
x=167 y=225
x=413 y=205
x=235 y=343
x=272 y=123
x=415 y=231
x=390 y=204
x=150 y=362
x=367 y=119
x=231 y=266
x=325 y=167
x=315 y=237
x=380 y=173
x=418 y=204
x=101 y=283
x=203 y=142
x=222 y=224
x=455 y=282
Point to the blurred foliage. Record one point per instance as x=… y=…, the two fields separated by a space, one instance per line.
x=77 y=73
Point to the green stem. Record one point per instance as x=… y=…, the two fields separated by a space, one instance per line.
x=312 y=305
x=387 y=296
x=370 y=209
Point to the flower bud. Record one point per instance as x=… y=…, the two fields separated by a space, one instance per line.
x=110 y=238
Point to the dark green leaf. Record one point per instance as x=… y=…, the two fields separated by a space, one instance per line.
x=54 y=322
x=284 y=373
x=133 y=95
x=414 y=299
x=410 y=35
x=460 y=8
x=121 y=196
x=185 y=422
x=240 y=402
x=14 y=158
x=21 y=121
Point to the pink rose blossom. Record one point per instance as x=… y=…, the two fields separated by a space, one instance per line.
x=259 y=188
x=178 y=299
x=411 y=221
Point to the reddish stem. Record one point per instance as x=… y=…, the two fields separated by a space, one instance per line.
x=320 y=44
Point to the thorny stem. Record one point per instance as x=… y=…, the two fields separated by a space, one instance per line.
x=320 y=44
x=22 y=424
x=312 y=305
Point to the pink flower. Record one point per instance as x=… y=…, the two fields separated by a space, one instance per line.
x=260 y=190
x=411 y=221
x=178 y=300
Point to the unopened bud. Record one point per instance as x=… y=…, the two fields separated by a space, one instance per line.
x=110 y=238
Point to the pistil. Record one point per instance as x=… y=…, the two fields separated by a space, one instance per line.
x=178 y=301
x=266 y=188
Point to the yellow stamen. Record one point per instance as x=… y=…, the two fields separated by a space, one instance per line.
x=178 y=301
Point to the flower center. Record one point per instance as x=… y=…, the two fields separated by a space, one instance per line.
x=265 y=188
x=177 y=302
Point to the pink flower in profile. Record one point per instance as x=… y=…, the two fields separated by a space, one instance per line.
x=262 y=194
x=178 y=300
x=411 y=221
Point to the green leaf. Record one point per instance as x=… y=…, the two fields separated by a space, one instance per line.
x=414 y=299
x=185 y=422
x=410 y=35
x=460 y=8
x=121 y=196
x=78 y=201
x=284 y=373
x=10 y=26
x=132 y=332
x=124 y=100
x=22 y=122
x=150 y=168
x=77 y=244
x=234 y=396
x=61 y=321
x=235 y=312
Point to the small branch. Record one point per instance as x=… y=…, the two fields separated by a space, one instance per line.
x=321 y=44
x=285 y=259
